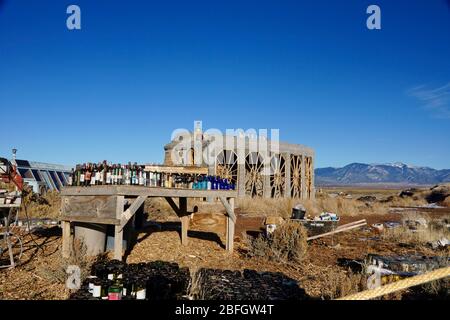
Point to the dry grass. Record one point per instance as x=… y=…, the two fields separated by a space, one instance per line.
x=57 y=273
x=286 y=244
x=446 y=202
x=280 y=207
x=47 y=206
x=331 y=282
x=159 y=208
x=343 y=206
x=437 y=289
x=196 y=290
x=417 y=200
x=7 y=186
x=435 y=230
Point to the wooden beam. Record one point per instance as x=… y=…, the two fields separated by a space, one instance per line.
x=351 y=224
x=145 y=191
x=173 y=205
x=90 y=220
x=342 y=229
x=100 y=206
x=228 y=208
x=230 y=228
x=184 y=221
x=66 y=239
x=176 y=169
x=126 y=216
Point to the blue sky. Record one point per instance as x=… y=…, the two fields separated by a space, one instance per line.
x=137 y=70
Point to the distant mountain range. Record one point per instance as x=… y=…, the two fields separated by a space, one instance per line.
x=395 y=173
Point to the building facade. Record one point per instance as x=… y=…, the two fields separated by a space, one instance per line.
x=258 y=169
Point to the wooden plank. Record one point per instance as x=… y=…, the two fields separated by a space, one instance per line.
x=118 y=244
x=176 y=169
x=131 y=210
x=66 y=239
x=336 y=231
x=89 y=206
x=228 y=208
x=230 y=228
x=146 y=191
x=14 y=205
x=91 y=220
x=351 y=224
x=118 y=233
x=184 y=221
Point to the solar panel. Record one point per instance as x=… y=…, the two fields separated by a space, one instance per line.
x=47 y=180
x=61 y=177
x=55 y=180
x=25 y=173
x=36 y=175
x=23 y=163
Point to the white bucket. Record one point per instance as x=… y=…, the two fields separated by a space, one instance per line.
x=93 y=236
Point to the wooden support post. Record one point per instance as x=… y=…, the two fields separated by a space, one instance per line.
x=131 y=211
x=118 y=242
x=228 y=208
x=303 y=177
x=118 y=232
x=313 y=189
x=287 y=175
x=231 y=219
x=66 y=239
x=173 y=205
x=184 y=220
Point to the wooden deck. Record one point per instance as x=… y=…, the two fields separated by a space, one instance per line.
x=106 y=205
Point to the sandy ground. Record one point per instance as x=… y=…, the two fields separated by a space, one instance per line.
x=321 y=274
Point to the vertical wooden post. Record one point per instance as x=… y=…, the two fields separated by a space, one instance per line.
x=118 y=232
x=118 y=243
x=66 y=239
x=287 y=175
x=267 y=189
x=230 y=228
x=184 y=220
x=303 y=177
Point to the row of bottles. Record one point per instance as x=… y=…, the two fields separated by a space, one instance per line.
x=91 y=174
x=109 y=283
x=116 y=280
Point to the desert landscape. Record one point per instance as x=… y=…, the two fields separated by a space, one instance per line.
x=406 y=224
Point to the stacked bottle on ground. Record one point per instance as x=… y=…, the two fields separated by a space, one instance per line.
x=115 y=280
